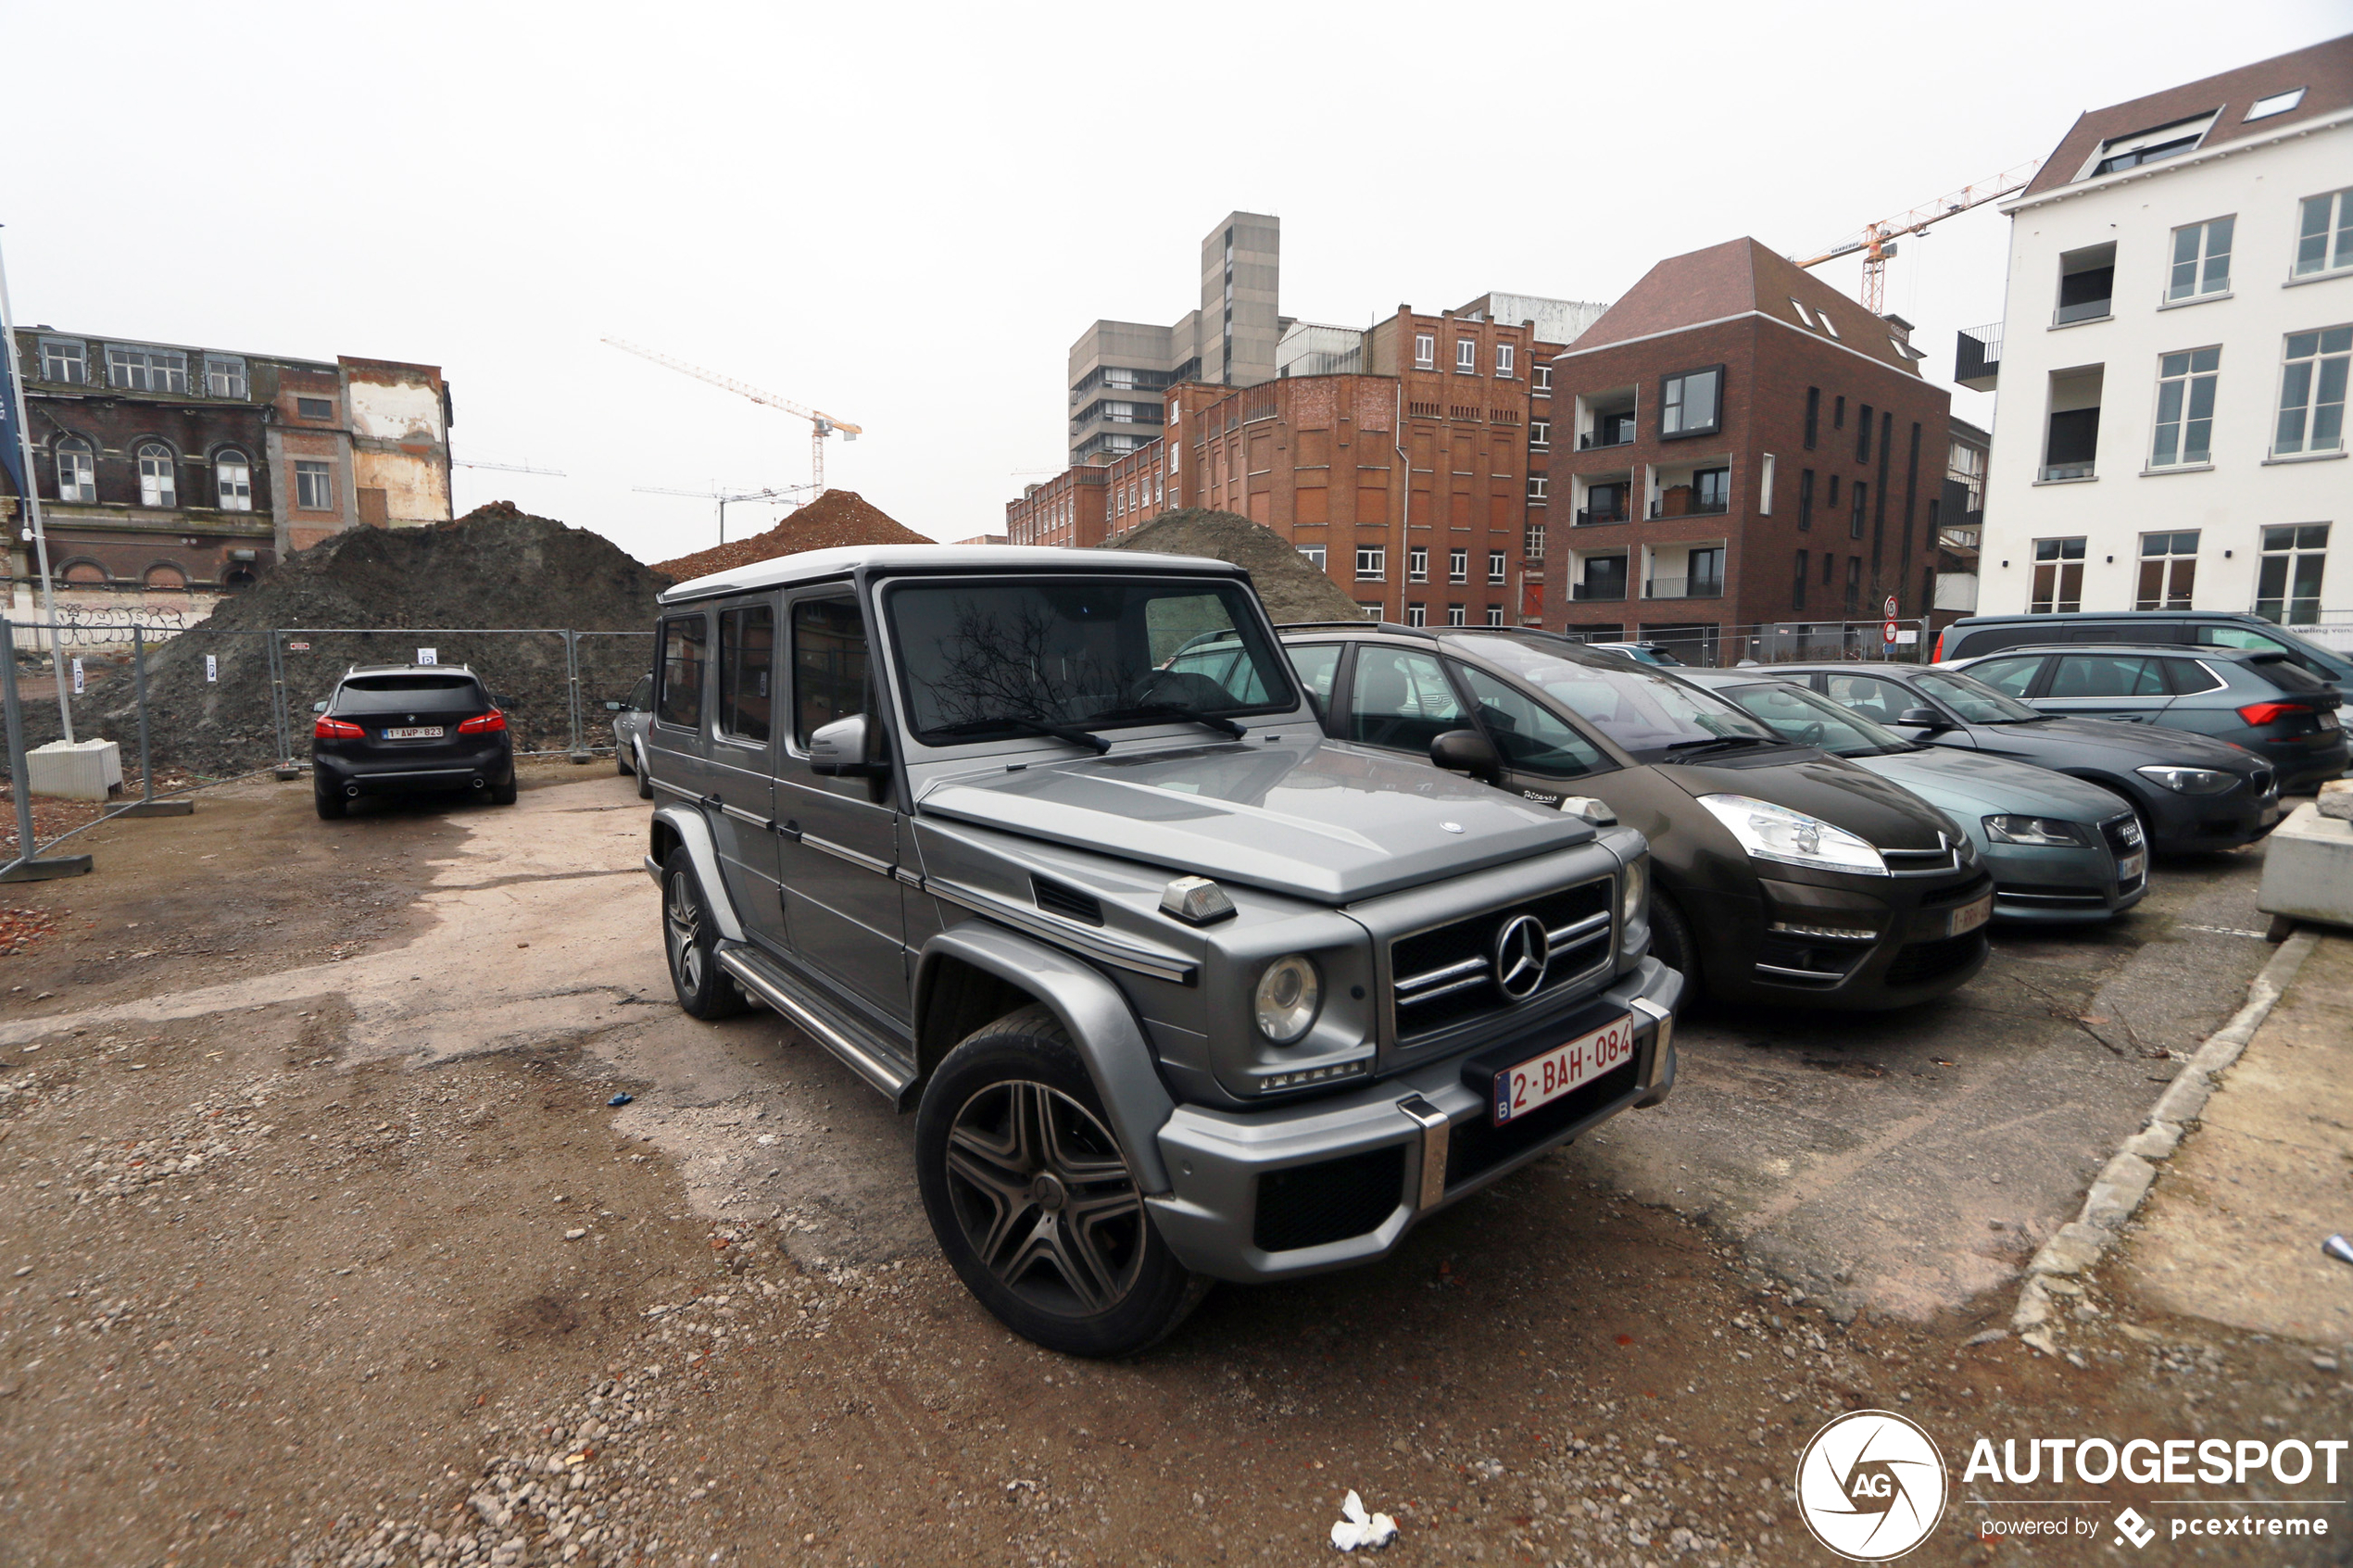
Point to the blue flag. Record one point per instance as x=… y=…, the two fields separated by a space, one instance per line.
x=11 y=438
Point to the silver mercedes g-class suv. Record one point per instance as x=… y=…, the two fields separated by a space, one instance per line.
x=1177 y=989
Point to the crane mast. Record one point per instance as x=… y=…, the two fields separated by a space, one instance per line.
x=821 y=425
x=1876 y=240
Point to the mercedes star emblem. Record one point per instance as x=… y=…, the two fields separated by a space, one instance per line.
x=1521 y=951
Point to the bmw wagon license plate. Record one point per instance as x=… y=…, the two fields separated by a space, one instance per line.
x=1542 y=1079
x=414 y=731
x=1969 y=916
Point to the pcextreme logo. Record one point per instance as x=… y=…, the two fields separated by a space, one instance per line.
x=1870 y=1486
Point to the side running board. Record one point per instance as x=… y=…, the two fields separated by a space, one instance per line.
x=813 y=1020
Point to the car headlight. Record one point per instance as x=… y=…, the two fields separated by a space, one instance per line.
x=1289 y=994
x=2188 y=781
x=2047 y=831
x=1633 y=891
x=1775 y=833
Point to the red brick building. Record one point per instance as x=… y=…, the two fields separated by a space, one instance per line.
x=1741 y=446
x=1066 y=510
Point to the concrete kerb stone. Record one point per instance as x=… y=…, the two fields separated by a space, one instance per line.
x=2125 y=1180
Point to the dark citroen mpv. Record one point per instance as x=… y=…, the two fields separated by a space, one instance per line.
x=1784 y=873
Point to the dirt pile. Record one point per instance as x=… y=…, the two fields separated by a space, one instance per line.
x=1288 y=581
x=496 y=567
x=833 y=520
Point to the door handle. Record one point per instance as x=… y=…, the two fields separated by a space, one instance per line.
x=789 y=830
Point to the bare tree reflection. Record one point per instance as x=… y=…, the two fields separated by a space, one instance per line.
x=1012 y=664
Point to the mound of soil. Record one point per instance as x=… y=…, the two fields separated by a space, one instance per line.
x=1286 y=580
x=496 y=567
x=833 y=520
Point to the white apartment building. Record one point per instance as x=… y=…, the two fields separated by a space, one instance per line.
x=2173 y=356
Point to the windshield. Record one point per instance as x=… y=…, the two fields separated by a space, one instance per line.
x=1648 y=712
x=1798 y=715
x=1974 y=700
x=986 y=660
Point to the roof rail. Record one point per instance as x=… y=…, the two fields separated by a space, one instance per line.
x=1357 y=625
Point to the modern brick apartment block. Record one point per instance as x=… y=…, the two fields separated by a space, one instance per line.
x=2173 y=356
x=1739 y=445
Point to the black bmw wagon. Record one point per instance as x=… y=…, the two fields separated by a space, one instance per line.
x=391 y=729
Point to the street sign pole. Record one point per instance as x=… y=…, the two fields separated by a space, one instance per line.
x=32 y=509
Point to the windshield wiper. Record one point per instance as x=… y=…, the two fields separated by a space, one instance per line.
x=1170 y=710
x=1712 y=742
x=1070 y=733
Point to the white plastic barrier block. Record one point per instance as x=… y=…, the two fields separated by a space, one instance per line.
x=83 y=770
x=2307 y=869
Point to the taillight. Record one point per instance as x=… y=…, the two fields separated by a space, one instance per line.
x=1938 y=656
x=337 y=729
x=483 y=724
x=2262 y=713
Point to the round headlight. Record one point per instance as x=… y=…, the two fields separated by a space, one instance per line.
x=1632 y=892
x=1289 y=994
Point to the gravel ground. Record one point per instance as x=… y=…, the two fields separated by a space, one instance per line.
x=268 y=1296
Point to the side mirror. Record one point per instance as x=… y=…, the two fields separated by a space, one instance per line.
x=319 y=707
x=1924 y=717
x=1466 y=751
x=612 y=708
x=845 y=749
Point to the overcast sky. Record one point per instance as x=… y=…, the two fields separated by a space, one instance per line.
x=903 y=215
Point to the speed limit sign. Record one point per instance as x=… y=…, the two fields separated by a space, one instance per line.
x=1887 y=611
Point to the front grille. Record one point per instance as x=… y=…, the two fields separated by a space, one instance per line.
x=1330 y=1201
x=2265 y=781
x=2052 y=896
x=2122 y=833
x=1447 y=974
x=1923 y=863
x=1924 y=962
x=1476 y=1147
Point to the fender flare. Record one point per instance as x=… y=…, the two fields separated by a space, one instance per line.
x=1103 y=1026
x=686 y=824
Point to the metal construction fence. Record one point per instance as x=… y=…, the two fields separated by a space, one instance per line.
x=1786 y=642
x=215 y=703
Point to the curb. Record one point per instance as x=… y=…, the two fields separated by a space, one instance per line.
x=2121 y=1185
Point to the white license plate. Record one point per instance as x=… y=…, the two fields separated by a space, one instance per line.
x=414 y=731
x=2328 y=718
x=2131 y=865
x=1968 y=917
x=1541 y=1079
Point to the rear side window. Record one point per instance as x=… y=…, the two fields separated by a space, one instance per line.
x=386 y=694
x=2109 y=674
x=747 y=657
x=2015 y=676
x=828 y=664
x=1529 y=735
x=2189 y=677
x=685 y=648
x=1315 y=665
x=1401 y=700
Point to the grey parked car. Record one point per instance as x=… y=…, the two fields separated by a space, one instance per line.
x=631 y=715
x=1177 y=989
x=2061 y=849
x=2263 y=701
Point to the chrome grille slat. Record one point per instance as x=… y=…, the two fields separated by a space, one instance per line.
x=1456 y=969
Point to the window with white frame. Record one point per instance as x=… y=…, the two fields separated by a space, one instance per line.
x=232 y=481
x=2169 y=570
x=224 y=376
x=1458 y=566
x=1532 y=541
x=64 y=360
x=1417 y=615
x=158 y=484
x=2313 y=392
x=1417 y=564
x=147 y=370
x=2324 y=237
x=77 y=478
x=1372 y=563
x=2185 y=407
x=1539 y=434
x=1494 y=615
x=1543 y=379
x=2201 y=259
x=1503 y=355
x=1315 y=554
x=1495 y=565
x=1371 y=609
x=2288 y=589
x=314 y=486
x=1454 y=616
x=1424 y=351
x=2059 y=577
x=1467 y=356
x=1538 y=487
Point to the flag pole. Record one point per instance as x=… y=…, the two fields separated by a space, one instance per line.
x=31 y=488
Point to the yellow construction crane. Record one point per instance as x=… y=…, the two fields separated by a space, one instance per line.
x=1876 y=240
x=821 y=425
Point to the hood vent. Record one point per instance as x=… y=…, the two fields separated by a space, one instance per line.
x=1056 y=898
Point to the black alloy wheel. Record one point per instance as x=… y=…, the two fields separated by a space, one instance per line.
x=1033 y=1200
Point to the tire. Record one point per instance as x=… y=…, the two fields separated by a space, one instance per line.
x=690 y=943
x=644 y=779
x=330 y=807
x=621 y=762
x=503 y=793
x=1011 y=1146
x=1671 y=943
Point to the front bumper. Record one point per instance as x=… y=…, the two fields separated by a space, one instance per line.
x=1326 y=1182
x=2039 y=885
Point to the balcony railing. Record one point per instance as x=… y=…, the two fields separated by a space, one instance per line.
x=2082 y=310
x=1683 y=588
x=1598 y=590
x=1977 y=357
x=2067 y=470
x=1588 y=516
x=1693 y=507
x=1621 y=434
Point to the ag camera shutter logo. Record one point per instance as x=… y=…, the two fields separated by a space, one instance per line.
x=1870 y=1486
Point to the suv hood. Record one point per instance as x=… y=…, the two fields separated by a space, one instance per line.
x=1314 y=819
